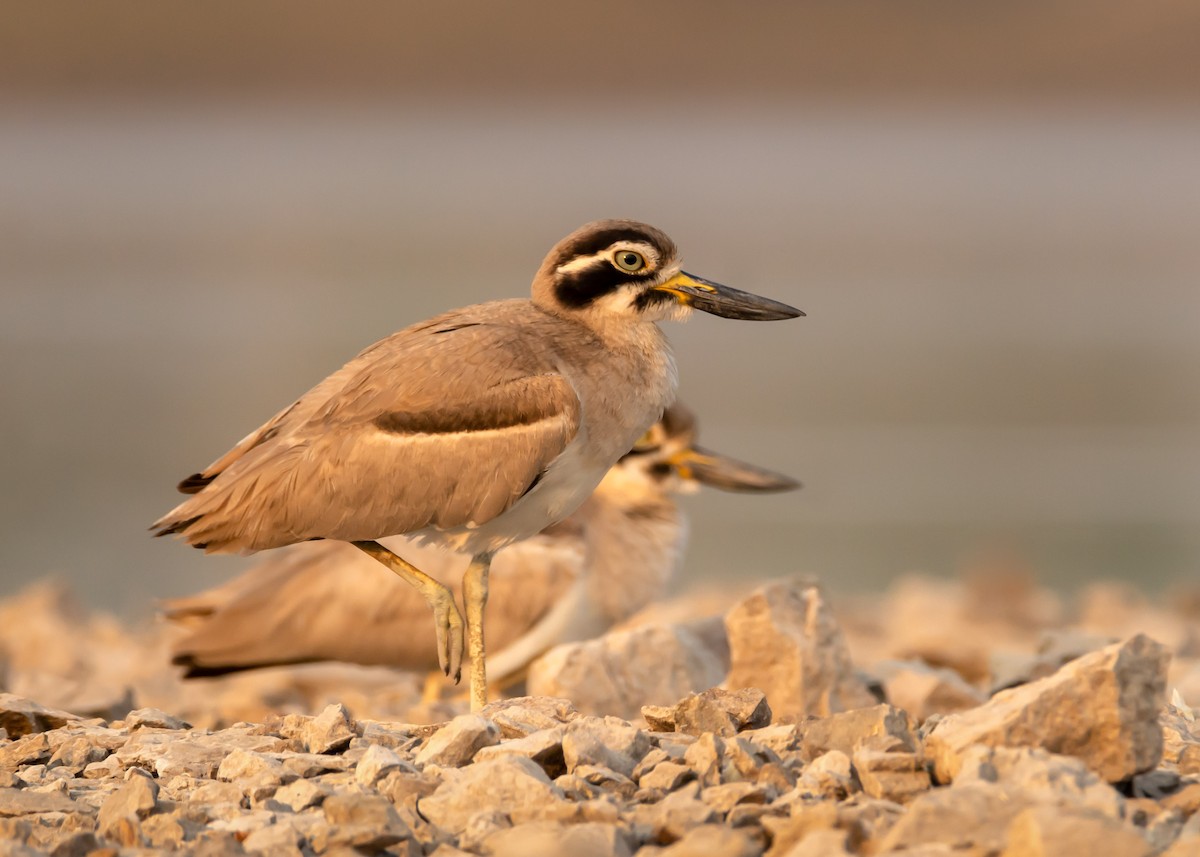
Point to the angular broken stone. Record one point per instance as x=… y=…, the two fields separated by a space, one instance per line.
x=671 y=818
x=963 y=817
x=923 y=691
x=622 y=671
x=713 y=840
x=300 y=795
x=830 y=774
x=525 y=715
x=892 y=776
x=706 y=758
x=121 y=811
x=666 y=776
x=15 y=802
x=77 y=753
x=784 y=640
x=721 y=711
x=609 y=742
x=331 y=731
x=456 y=743
x=375 y=763
x=1045 y=777
x=1181 y=739
x=19 y=716
x=723 y=798
x=276 y=839
x=515 y=783
x=555 y=839
x=142 y=718
x=27 y=750
x=607 y=780
x=1102 y=708
x=543 y=747
x=881 y=726
x=1048 y=831
x=170 y=753
x=363 y=822
x=241 y=764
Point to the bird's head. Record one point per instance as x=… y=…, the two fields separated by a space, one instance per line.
x=668 y=458
x=626 y=269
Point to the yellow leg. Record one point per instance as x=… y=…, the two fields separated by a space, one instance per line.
x=475 y=595
x=447 y=620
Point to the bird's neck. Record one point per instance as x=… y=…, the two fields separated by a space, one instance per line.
x=633 y=537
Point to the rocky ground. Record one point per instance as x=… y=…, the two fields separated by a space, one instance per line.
x=977 y=717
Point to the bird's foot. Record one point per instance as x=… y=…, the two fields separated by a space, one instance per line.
x=448 y=623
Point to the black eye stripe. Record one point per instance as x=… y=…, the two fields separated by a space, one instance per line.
x=577 y=289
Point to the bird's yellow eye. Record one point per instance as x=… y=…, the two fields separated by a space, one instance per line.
x=629 y=260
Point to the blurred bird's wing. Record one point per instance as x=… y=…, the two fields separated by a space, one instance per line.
x=444 y=424
x=329 y=601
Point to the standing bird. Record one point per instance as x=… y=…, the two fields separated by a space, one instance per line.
x=473 y=430
x=613 y=556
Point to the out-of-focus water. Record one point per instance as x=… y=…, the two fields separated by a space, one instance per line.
x=1001 y=347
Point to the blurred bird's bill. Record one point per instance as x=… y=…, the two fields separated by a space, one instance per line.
x=728 y=474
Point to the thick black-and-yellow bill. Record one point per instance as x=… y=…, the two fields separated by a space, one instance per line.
x=724 y=301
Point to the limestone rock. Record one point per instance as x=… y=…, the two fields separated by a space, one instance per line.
x=14 y=802
x=118 y=818
x=76 y=754
x=821 y=843
x=300 y=795
x=716 y=710
x=893 y=776
x=1102 y=708
x=275 y=839
x=1041 y=776
x=543 y=747
x=515 y=783
x=364 y=823
x=241 y=764
x=784 y=640
x=830 y=774
x=969 y=816
x=883 y=727
x=27 y=750
x=377 y=762
x=712 y=840
x=456 y=743
x=609 y=742
x=170 y=753
x=329 y=732
x=525 y=715
x=555 y=839
x=1045 y=831
x=1181 y=739
x=671 y=818
x=666 y=776
x=622 y=671
x=922 y=690
x=19 y=716
x=153 y=718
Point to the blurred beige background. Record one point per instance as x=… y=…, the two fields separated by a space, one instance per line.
x=990 y=213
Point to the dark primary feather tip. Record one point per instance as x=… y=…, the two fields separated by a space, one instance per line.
x=194 y=484
x=174 y=527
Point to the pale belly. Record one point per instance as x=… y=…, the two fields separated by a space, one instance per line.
x=567 y=483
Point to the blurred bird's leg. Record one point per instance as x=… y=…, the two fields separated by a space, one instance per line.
x=447 y=620
x=431 y=688
x=475 y=595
